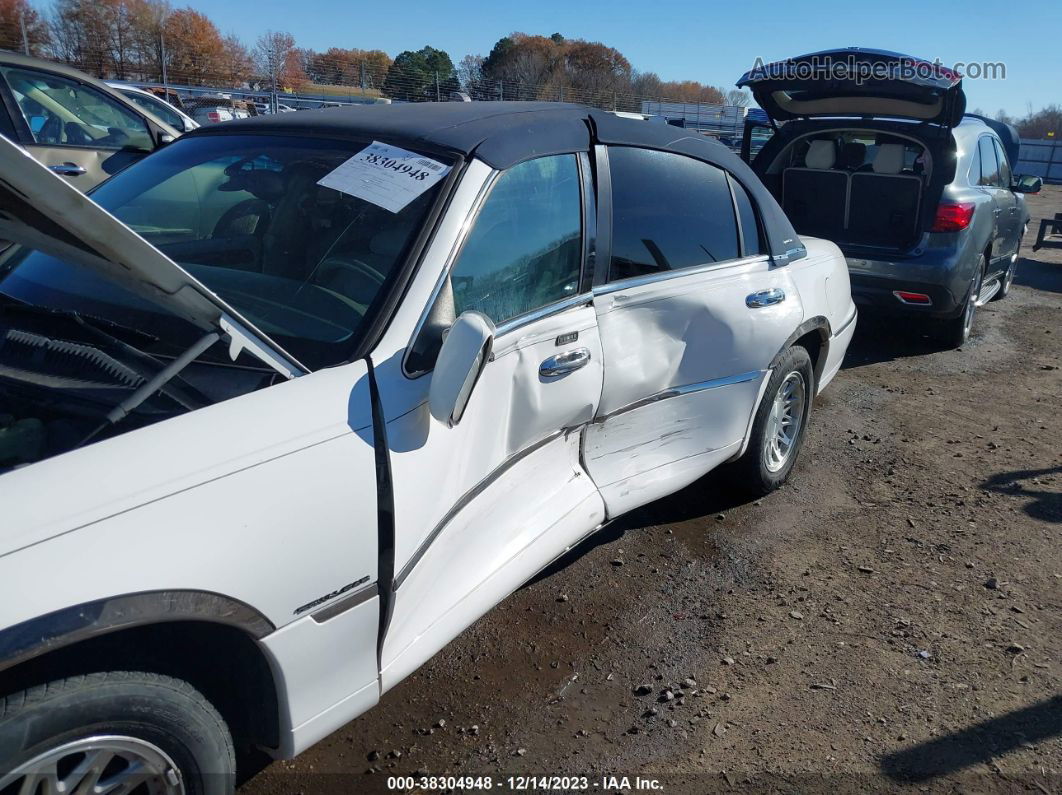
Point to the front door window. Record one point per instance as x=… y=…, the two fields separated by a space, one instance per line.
x=525 y=250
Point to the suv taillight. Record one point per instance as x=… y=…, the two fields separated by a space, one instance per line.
x=953 y=216
x=214 y=116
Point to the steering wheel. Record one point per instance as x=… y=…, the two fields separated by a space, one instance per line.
x=350 y=277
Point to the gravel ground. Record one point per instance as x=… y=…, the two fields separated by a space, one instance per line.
x=892 y=617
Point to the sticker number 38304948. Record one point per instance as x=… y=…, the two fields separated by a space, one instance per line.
x=385 y=175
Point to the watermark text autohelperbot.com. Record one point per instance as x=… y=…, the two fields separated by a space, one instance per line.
x=859 y=69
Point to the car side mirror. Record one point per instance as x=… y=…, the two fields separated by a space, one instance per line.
x=464 y=353
x=1027 y=184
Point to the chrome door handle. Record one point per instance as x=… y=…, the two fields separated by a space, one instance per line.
x=68 y=169
x=765 y=298
x=564 y=363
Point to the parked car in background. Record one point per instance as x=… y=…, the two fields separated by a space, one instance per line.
x=213 y=110
x=78 y=127
x=264 y=108
x=921 y=198
x=246 y=357
x=160 y=108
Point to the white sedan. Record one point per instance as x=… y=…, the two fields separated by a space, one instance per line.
x=290 y=403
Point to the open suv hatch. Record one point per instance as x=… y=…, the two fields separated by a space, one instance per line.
x=874 y=150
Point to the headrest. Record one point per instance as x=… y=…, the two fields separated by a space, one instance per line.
x=852 y=154
x=262 y=184
x=889 y=159
x=821 y=154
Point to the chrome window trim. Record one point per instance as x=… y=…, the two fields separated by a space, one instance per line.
x=519 y=321
x=459 y=242
x=678 y=391
x=639 y=281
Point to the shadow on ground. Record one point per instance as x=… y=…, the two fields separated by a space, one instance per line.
x=880 y=337
x=712 y=494
x=977 y=744
x=1039 y=275
x=1044 y=505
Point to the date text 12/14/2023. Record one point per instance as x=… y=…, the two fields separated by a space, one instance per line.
x=610 y=783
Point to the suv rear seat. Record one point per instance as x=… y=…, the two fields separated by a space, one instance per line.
x=872 y=208
x=815 y=197
x=883 y=203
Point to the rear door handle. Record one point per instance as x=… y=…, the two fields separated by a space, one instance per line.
x=68 y=169
x=564 y=363
x=765 y=298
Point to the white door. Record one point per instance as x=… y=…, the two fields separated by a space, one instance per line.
x=482 y=506
x=690 y=318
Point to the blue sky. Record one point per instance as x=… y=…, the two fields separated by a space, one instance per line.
x=682 y=39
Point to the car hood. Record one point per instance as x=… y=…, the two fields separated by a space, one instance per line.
x=857 y=82
x=40 y=210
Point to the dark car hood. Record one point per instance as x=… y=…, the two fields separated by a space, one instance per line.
x=857 y=82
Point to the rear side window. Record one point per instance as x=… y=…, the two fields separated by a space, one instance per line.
x=989 y=166
x=160 y=109
x=525 y=250
x=1005 y=176
x=751 y=239
x=668 y=212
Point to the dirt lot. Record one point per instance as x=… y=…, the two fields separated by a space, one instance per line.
x=892 y=617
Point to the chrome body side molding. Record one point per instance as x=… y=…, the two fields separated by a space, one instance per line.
x=677 y=391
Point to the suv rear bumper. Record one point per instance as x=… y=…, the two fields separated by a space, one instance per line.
x=880 y=293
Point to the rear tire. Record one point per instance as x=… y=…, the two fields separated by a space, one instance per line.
x=114 y=728
x=779 y=426
x=1007 y=279
x=955 y=332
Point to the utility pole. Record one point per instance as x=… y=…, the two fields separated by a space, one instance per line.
x=162 y=58
x=438 y=96
x=22 y=24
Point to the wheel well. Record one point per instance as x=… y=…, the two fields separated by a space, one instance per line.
x=222 y=662
x=813 y=343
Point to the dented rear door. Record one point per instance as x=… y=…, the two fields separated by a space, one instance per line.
x=690 y=318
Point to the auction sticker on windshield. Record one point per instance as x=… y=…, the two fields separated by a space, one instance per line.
x=385 y=175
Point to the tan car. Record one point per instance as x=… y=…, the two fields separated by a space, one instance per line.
x=75 y=125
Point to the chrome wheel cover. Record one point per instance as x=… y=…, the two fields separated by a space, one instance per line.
x=784 y=421
x=99 y=765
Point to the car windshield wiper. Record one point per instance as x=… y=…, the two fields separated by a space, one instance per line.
x=98 y=325
x=148 y=366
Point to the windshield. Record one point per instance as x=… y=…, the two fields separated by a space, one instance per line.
x=245 y=215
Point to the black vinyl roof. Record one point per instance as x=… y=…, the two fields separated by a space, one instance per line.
x=499 y=133
x=503 y=134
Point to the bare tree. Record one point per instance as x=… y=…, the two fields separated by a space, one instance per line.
x=739 y=97
x=276 y=59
